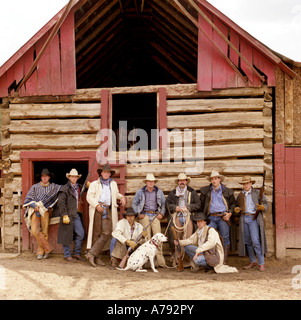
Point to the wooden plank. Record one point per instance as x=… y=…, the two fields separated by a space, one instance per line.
x=55 y=62
x=280 y=203
x=214 y=105
x=290 y=196
x=216 y=136
x=54 y=126
x=223 y=74
x=68 y=62
x=297 y=199
x=205 y=49
x=222 y=119
x=242 y=166
x=45 y=111
x=32 y=83
x=43 y=68
x=65 y=141
x=289 y=110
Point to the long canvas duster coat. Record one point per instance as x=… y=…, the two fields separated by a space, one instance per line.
x=260 y=220
x=93 y=196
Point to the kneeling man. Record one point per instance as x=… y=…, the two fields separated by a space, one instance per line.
x=204 y=239
x=126 y=232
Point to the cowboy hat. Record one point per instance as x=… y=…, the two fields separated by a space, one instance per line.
x=105 y=167
x=150 y=177
x=73 y=172
x=46 y=172
x=246 y=179
x=182 y=176
x=215 y=173
x=129 y=212
x=197 y=216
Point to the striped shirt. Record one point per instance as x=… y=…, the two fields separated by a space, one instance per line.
x=46 y=194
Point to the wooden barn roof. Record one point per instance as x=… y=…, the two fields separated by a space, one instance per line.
x=139 y=42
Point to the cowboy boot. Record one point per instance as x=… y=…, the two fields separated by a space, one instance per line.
x=226 y=251
x=114 y=263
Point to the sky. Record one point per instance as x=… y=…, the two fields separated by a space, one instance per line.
x=276 y=23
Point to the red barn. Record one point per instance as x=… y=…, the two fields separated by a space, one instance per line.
x=170 y=65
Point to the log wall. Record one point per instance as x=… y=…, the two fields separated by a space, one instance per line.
x=238 y=132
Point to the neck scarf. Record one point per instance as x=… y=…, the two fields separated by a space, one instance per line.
x=106 y=182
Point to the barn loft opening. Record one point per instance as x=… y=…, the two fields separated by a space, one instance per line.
x=134 y=121
x=133 y=43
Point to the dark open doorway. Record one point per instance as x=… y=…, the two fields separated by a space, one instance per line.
x=131 y=112
x=60 y=168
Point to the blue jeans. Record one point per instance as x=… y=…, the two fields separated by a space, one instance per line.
x=252 y=239
x=200 y=261
x=222 y=226
x=79 y=237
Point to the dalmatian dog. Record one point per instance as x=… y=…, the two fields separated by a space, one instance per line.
x=147 y=251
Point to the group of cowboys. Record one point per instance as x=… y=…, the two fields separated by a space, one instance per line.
x=201 y=222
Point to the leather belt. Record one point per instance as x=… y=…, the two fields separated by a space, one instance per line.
x=249 y=214
x=150 y=212
x=217 y=214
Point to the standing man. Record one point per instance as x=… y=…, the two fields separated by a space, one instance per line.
x=38 y=202
x=70 y=221
x=102 y=197
x=251 y=232
x=218 y=202
x=147 y=201
x=181 y=202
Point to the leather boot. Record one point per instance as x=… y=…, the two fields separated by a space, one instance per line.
x=91 y=258
x=114 y=263
x=226 y=251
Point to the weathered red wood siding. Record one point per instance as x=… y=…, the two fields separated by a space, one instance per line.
x=55 y=73
x=214 y=72
x=287 y=198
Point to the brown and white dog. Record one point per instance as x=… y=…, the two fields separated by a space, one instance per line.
x=147 y=251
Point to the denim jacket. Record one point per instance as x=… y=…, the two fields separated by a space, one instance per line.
x=139 y=200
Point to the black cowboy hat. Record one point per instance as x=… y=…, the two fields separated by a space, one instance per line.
x=106 y=167
x=129 y=212
x=197 y=216
x=45 y=171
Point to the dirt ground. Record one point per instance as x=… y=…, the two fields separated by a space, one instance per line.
x=24 y=277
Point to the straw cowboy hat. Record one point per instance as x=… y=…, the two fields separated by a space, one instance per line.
x=214 y=174
x=182 y=176
x=106 y=167
x=150 y=177
x=46 y=172
x=73 y=172
x=246 y=179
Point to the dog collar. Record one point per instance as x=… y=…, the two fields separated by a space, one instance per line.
x=153 y=242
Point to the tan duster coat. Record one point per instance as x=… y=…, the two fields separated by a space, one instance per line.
x=93 y=196
x=213 y=239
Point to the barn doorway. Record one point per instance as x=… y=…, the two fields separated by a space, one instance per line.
x=134 y=121
x=60 y=168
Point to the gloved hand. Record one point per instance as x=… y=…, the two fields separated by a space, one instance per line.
x=66 y=219
x=237 y=210
x=260 y=207
x=131 y=244
x=144 y=233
